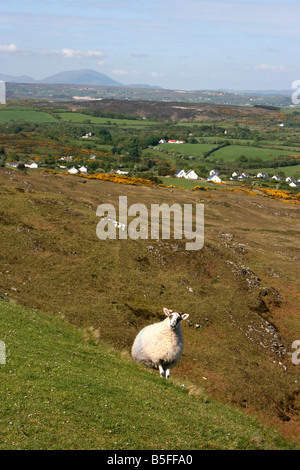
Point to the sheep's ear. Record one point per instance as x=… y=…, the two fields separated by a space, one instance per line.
x=184 y=316
x=167 y=312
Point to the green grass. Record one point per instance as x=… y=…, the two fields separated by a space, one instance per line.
x=24 y=114
x=61 y=391
x=293 y=170
x=188 y=149
x=187 y=184
x=232 y=152
x=78 y=117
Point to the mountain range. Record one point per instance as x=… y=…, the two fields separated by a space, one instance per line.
x=73 y=77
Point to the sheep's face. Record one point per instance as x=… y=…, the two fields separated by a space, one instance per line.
x=175 y=318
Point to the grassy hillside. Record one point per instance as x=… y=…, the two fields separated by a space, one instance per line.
x=241 y=290
x=61 y=390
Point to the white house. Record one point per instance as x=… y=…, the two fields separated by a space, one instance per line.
x=235 y=174
x=73 y=170
x=276 y=178
x=245 y=174
x=214 y=172
x=262 y=174
x=83 y=169
x=290 y=179
x=191 y=175
x=180 y=174
x=86 y=136
x=12 y=164
x=295 y=184
x=121 y=172
x=162 y=141
x=67 y=159
x=214 y=179
x=31 y=165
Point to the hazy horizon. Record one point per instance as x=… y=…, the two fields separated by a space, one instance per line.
x=218 y=44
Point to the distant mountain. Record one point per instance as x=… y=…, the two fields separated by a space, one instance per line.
x=141 y=85
x=74 y=77
x=82 y=77
x=19 y=79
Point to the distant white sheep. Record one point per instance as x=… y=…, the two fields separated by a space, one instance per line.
x=160 y=345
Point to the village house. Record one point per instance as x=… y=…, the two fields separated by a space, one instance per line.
x=290 y=179
x=73 y=170
x=122 y=172
x=214 y=179
x=180 y=174
x=191 y=175
x=262 y=174
x=31 y=165
x=277 y=178
x=295 y=184
x=83 y=169
x=214 y=172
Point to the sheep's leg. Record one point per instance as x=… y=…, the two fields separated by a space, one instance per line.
x=161 y=370
x=167 y=373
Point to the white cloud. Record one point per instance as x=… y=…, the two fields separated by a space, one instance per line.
x=8 y=48
x=119 y=72
x=156 y=74
x=272 y=68
x=75 y=53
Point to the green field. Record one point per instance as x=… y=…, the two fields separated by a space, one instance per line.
x=232 y=152
x=287 y=170
x=84 y=118
x=23 y=114
x=187 y=184
x=188 y=149
x=62 y=390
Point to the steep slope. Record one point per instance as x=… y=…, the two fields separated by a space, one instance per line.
x=60 y=390
x=241 y=290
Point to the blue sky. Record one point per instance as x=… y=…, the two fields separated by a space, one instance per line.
x=190 y=44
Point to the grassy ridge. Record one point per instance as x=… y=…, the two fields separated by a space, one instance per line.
x=61 y=390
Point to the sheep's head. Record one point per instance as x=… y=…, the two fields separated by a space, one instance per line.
x=175 y=318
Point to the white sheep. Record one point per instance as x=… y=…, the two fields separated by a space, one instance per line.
x=160 y=345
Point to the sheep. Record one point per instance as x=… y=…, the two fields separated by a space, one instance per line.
x=160 y=345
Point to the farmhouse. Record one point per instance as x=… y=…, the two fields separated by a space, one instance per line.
x=173 y=141
x=276 y=178
x=262 y=174
x=214 y=172
x=191 y=175
x=295 y=184
x=83 y=169
x=290 y=179
x=214 y=179
x=121 y=172
x=73 y=170
x=180 y=174
x=31 y=165
x=12 y=164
